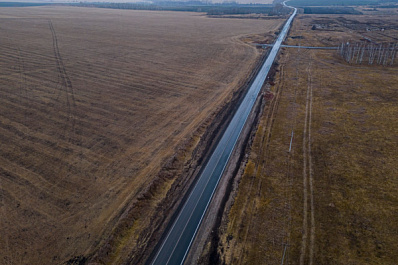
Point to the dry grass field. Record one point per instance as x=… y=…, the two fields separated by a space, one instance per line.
x=329 y=194
x=93 y=104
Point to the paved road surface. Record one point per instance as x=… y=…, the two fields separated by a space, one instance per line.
x=176 y=244
x=302 y=47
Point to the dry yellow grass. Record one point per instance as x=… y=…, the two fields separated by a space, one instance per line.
x=93 y=103
x=333 y=198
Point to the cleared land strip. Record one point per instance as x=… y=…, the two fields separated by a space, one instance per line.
x=308 y=178
x=66 y=83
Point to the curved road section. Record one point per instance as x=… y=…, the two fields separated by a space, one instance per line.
x=177 y=243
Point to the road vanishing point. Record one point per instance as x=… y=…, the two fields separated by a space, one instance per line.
x=176 y=244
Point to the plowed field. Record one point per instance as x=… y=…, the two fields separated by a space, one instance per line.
x=93 y=103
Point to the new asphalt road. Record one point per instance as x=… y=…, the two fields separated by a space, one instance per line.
x=175 y=246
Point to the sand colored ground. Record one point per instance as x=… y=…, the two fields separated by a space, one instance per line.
x=93 y=102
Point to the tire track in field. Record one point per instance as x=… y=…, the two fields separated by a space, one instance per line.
x=308 y=178
x=311 y=173
x=265 y=142
x=65 y=80
x=263 y=158
x=66 y=85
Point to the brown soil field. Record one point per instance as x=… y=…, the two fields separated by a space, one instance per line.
x=100 y=113
x=320 y=183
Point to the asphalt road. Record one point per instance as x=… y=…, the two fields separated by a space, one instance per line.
x=177 y=243
x=301 y=47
